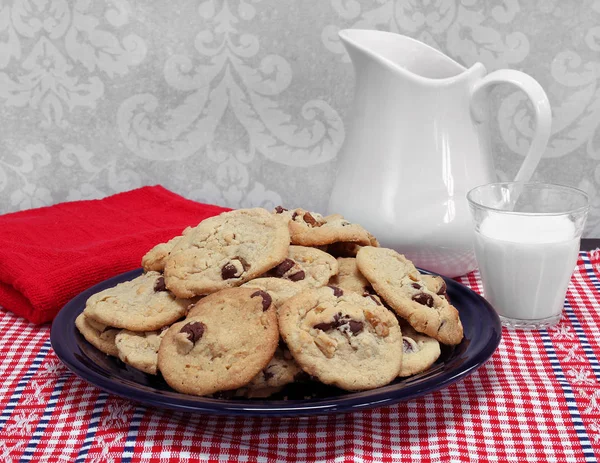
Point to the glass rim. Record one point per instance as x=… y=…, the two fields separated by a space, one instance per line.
x=554 y=186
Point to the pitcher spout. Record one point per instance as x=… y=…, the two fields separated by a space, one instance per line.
x=400 y=54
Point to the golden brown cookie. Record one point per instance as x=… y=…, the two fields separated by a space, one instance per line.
x=139 y=349
x=223 y=345
x=313 y=229
x=349 y=277
x=281 y=370
x=400 y=284
x=306 y=266
x=279 y=289
x=225 y=251
x=155 y=258
x=419 y=351
x=436 y=284
x=142 y=304
x=343 y=339
x=102 y=337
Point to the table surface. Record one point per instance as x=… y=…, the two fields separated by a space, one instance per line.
x=536 y=399
x=589 y=244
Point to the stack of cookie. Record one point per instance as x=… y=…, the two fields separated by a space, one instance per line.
x=251 y=300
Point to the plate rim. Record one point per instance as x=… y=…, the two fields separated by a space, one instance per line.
x=353 y=401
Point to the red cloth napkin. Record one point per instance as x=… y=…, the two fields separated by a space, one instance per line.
x=51 y=254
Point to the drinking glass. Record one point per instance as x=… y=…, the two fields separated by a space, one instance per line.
x=527 y=238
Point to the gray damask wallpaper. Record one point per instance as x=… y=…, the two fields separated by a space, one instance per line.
x=244 y=102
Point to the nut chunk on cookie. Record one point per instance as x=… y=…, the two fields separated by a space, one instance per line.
x=225 y=251
x=223 y=345
x=142 y=304
x=343 y=339
x=400 y=284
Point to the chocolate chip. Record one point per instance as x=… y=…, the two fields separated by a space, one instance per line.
x=345 y=224
x=326 y=326
x=297 y=276
x=340 y=320
x=337 y=292
x=355 y=326
x=310 y=220
x=160 y=285
x=416 y=285
x=294 y=215
x=443 y=289
x=280 y=209
x=280 y=270
x=228 y=271
x=268 y=375
x=423 y=298
x=266 y=298
x=194 y=331
x=407 y=346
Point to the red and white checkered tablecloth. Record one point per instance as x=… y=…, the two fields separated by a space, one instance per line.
x=536 y=399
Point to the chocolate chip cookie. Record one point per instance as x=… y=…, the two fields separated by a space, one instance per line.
x=349 y=277
x=400 y=284
x=436 y=284
x=313 y=229
x=281 y=370
x=306 y=266
x=142 y=304
x=139 y=349
x=102 y=337
x=420 y=351
x=343 y=339
x=223 y=345
x=279 y=289
x=156 y=257
x=226 y=251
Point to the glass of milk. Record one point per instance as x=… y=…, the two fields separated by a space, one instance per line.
x=526 y=242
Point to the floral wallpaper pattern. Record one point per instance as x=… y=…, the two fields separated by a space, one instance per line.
x=245 y=102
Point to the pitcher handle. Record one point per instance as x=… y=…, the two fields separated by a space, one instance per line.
x=541 y=105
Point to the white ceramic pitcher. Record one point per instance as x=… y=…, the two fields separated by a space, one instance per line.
x=417 y=142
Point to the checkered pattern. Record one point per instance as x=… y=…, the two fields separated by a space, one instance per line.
x=537 y=399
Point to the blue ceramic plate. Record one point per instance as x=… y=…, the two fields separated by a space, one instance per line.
x=482 y=335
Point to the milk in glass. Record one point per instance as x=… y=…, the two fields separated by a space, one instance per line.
x=526 y=263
